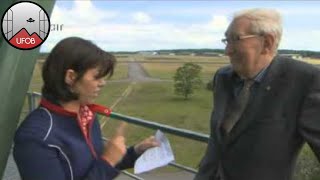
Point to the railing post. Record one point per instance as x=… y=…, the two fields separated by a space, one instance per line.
x=33 y=101
x=29 y=101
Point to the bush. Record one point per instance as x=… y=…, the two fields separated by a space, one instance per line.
x=187 y=79
x=308 y=168
x=210 y=85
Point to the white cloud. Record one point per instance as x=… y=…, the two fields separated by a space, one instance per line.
x=299 y=11
x=141 y=17
x=142 y=35
x=111 y=30
x=82 y=13
x=133 y=37
x=219 y=23
x=293 y=39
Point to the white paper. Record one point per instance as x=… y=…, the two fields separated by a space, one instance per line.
x=155 y=157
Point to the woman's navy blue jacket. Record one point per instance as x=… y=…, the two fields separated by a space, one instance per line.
x=49 y=145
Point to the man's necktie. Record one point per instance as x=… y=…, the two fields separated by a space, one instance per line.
x=236 y=110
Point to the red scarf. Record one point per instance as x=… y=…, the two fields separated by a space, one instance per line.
x=85 y=116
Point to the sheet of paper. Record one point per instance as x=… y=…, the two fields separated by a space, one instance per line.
x=155 y=157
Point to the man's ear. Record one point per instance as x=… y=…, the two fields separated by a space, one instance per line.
x=268 y=44
x=70 y=77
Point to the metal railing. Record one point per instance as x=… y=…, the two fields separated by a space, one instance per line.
x=32 y=102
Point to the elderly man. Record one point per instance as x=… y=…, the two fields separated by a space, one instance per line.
x=265 y=107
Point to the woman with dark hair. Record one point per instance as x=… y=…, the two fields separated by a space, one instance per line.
x=61 y=139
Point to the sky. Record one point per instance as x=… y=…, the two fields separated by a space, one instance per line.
x=153 y=25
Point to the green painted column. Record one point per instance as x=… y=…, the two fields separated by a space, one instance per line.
x=16 y=67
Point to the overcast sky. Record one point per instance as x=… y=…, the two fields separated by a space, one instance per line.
x=151 y=25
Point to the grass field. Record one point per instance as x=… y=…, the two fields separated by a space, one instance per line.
x=312 y=60
x=156 y=102
x=111 y=92
x=120 y=72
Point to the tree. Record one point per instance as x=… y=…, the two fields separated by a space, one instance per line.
x=187 y=79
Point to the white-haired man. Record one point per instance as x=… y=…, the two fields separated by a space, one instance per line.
x=265 y=107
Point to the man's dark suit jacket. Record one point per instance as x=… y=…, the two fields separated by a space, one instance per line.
x=282 y=114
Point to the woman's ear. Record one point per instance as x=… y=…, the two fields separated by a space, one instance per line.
x=70 y=77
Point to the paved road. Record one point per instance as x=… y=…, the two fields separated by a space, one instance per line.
x=137 y=73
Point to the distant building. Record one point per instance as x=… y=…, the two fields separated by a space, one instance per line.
x=293 y=56
x=211 y=54
x=146 y=53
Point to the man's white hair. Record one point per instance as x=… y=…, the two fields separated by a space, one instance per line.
x=264 y=21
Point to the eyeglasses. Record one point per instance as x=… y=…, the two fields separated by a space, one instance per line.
x=235 y=39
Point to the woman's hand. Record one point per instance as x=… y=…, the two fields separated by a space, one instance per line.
x=147 y=143
x=116 y=148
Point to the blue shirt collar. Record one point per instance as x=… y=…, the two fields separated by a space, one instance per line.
x=258 y=78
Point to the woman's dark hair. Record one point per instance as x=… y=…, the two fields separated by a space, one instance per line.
x=79 y=55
